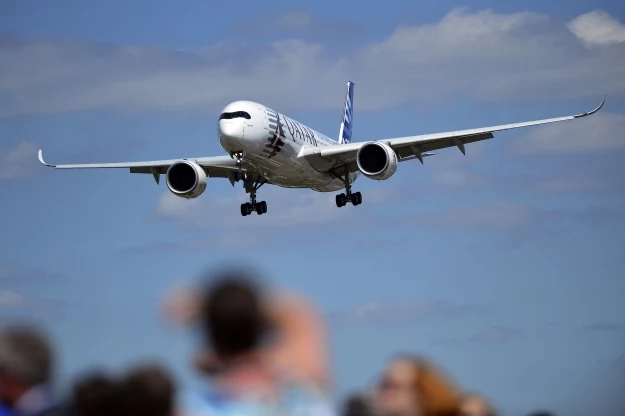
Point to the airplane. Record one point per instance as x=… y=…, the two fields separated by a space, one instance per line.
x=267 y=147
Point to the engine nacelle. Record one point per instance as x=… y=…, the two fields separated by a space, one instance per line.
x=377 y=160
x=186 y=179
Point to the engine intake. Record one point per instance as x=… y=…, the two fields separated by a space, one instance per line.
x=186 y=179
x=377 y=160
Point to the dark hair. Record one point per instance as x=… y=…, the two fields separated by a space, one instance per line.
x=357 y=405
x=232 y=315
x=96 y=394
x=148 y=390
x=26 y=355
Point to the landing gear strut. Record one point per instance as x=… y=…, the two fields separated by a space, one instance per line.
x=342 y=199
x=249 y=207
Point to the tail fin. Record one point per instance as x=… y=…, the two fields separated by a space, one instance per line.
x=345 y=134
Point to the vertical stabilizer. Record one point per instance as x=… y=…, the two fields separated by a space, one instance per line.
x=345 y=134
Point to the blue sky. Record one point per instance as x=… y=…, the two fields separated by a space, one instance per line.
x=504 y=265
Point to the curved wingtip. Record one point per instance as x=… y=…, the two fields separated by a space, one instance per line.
x=595 y=110
x=43 y=162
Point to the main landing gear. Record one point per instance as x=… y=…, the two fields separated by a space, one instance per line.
x=342 y=199
x=249 y=207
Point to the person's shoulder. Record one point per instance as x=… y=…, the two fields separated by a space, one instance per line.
x=56 y=410
x=304 y=398
x=5 y=411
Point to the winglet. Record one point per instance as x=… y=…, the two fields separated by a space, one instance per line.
x=43 y=162
x=593 y=111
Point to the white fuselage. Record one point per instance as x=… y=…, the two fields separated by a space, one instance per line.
x=271 y=142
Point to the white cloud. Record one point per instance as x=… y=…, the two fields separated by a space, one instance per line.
x=10 y=299
x=286 y=208
x=493 y=215
x=14 y=305
x=498 y=334
x=455 y=178
x=399 y=312
x=484 y=55
x=599 y=132
x=598 y=28
x=11 y=272
x=17 y=163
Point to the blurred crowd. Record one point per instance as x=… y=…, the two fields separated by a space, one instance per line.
x=263 y=352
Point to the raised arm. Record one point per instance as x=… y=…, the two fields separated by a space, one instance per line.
x=301 y=348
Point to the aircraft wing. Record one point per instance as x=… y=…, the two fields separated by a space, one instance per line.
x=416 y=147
x=217 y=166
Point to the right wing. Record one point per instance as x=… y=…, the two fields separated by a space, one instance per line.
x=216 y=166
x=415 y=147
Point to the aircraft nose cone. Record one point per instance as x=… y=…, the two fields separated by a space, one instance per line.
x=232 y=129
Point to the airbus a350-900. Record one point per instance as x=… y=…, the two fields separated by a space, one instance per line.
x=267 y=147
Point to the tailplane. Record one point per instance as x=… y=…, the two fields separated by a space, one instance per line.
x=345 y=134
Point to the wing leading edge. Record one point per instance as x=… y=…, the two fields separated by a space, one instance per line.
x=412 y=147
x=216 y=166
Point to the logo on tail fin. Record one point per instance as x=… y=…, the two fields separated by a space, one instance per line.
x=345 y=135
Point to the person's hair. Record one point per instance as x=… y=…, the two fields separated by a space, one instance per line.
x=96 y=394
x=357 y=405
x=26 y=355
x=148 y=389
x=233 y=314
x=488 y=407
x=438 y=396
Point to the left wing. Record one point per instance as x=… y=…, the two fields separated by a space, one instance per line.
x=216 y=166
x=416 y=147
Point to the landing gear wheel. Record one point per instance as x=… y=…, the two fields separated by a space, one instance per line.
x=244 y=209
x=353 y=199
x=340 y=200
x=263 y=207
x=356 y=198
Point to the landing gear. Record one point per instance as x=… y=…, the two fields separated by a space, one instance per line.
x=249 y=207
x=342 y=199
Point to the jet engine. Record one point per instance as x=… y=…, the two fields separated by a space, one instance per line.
x=377 y=160
x=186 y=179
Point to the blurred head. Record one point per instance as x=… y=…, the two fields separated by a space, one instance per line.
x=233 y=316
x=148 y=390
x=358 y=405
x=26 y=360
x=475 y=405
x=411 y=386
x=96 y=395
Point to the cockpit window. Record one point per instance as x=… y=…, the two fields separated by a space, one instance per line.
x=236 y=114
